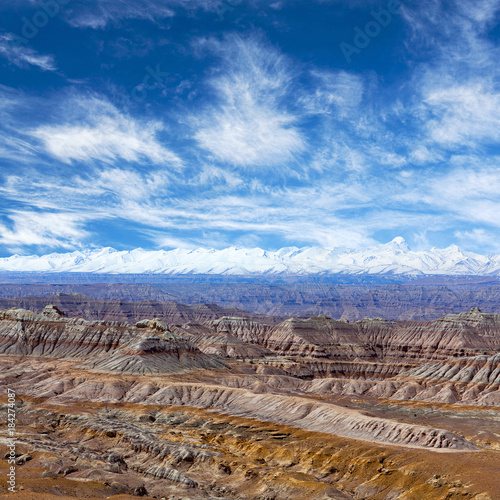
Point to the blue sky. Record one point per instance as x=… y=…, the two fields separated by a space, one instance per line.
x=208 y=123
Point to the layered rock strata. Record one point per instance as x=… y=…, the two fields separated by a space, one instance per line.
x=108 y=346
x=316 y=356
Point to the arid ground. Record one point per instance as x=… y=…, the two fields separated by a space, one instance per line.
x=218 y=406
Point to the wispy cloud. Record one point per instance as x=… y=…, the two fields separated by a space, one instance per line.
x=24 y=57
x=458 y=82
x=249 y=126
x=334 y=93
x=470 y=192
x=306 y=215
x=249 y=141
x=335 y=213
x=464 y=114
x=38 y=229
x=477 y=238
x=96 y=130
x=455 y=30
x=214 y=176
x=98 y=14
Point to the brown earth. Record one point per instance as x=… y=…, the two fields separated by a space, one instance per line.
x=236 y=408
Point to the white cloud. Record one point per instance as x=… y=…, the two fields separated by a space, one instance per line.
x=353 y=177
x=248 y=126
x=470 y=180
x=477 y=237
x=98 y=14
x=422 y=155
x=102 y=133
x=330 y=213
x=251 y=136
x=108 y=191
x=337 y=93
x=24 y=57
x=454 y=30
x=467 y=193
x=29 y=228
x=165 y=241
x=457 y=86
x=303 y=214
x=14 y=145
x=464 y=114
x=130 y=185
x=211 y=175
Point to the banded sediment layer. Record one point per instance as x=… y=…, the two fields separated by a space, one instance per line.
x=340 y=382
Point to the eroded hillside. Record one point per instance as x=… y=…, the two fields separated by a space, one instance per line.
x=240 y=408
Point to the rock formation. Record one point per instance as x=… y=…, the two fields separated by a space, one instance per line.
x=364 y=384
x=109 y=346
x=418 y=300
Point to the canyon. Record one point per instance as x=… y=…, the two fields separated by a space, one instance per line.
x=207 y=402
x=125 y=298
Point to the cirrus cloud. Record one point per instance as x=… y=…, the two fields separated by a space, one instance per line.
x=248 y=126
x=101 y=132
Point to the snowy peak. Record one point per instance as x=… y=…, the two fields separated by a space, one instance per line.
x=399 y=243
x=394 y=257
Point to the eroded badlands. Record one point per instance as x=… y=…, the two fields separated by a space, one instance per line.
x=237 y=408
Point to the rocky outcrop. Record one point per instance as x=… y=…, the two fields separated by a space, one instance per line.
x=109 y=346
x=242 y=328
x=228 y=346
x=172 y=452
x=473 y=380
x=216 y=338
x=308 y=415
x=148 y=355
x=318 y=337
x=77 y=304
x=454 y=335
x=370 y=388
x=459 y=335
x=52 y=311
x=153 y=346
x=323 y=368
x=160 y=472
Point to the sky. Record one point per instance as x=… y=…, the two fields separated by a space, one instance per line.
x=167 y=124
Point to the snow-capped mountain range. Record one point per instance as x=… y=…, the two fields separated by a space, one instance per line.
x=392 y=258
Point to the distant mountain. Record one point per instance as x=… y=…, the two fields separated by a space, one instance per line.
x=393 y=258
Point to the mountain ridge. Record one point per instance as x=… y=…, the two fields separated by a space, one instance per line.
x=393 y=258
